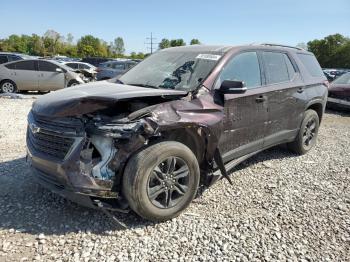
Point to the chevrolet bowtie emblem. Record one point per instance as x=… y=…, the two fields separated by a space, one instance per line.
x=35 y=129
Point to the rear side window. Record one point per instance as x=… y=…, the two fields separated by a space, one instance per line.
x=83 y=66
x=278 y=67
x=72 y=65
x=25 y=65
x=47 y=66
x=243 y=67
x=3 y=59
x=311 y=64
x=118 y=66
x=14 y=58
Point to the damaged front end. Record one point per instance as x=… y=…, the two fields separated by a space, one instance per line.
x=79 y=147
x=82 y=157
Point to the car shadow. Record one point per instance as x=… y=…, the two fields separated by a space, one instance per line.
x=27 y=207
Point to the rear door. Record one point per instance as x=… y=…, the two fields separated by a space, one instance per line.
x=25 y=74
x=49 y=78
x=286 y=97
x=245 y=114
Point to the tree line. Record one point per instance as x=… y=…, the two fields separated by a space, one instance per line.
x=333 y=51
x=330 y=51
x=53 y=43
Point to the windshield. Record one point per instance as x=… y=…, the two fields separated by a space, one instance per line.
x=343 y=80
x=183 y=70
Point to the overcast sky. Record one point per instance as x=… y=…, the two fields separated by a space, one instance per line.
x=212 y=22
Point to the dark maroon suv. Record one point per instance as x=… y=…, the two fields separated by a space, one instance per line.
x=178 y=121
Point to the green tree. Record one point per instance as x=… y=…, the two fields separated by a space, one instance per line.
x=177 y=42
x=91 y=46
x=118 y=46
x=52 y=42
x=36 y=46
x=70 y=38
x=140 y=55
x=165 y=43
x=329 y=50
x=195 y=41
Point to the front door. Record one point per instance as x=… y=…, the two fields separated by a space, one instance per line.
x=49 y=78
x=245 y=114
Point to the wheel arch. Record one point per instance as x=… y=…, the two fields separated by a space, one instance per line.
x=317 y=105
x=193 y=138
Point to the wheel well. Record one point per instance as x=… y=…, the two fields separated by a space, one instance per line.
x=3 y=80
x=318 y=108
x=191 y=138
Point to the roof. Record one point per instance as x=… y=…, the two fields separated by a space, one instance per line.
x=226 y=48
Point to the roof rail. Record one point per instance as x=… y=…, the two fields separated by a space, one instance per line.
x=288 y=46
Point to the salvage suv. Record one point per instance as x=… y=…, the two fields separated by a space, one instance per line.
x=174 y=124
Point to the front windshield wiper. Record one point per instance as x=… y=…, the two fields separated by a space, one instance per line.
x=144 y=85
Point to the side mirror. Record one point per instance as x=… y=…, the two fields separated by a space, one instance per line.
x=59 y=70
x=232 y=87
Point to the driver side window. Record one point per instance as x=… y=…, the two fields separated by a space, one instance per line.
x=242 y=67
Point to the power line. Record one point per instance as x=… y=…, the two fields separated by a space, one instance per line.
x=151 y=42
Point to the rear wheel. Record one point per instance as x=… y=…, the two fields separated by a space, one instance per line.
x=307 y=136
x=8 y=86
x=161 y=181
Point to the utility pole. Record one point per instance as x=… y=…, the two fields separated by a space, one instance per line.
x=151 y=42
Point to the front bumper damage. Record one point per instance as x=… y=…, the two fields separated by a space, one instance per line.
x=91 y=168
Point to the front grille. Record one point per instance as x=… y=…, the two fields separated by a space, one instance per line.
x=53 y=145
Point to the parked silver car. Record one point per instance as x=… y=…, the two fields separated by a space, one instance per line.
x=112 y=69
x=33 y=74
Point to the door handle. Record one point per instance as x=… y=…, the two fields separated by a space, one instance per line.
x=300 y=89
x=260 y=99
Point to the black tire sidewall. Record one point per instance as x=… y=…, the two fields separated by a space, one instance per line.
x=72 y=82
x=309 y=114
x=135 y=185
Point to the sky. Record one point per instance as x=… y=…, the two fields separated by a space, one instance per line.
x=228 y=22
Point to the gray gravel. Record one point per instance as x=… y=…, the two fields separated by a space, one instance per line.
x=281 y=207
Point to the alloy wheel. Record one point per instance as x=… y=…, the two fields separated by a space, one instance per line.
x=8 y=87
x=309 y=132
x=168 y=182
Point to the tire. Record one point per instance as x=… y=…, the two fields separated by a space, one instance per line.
x=307 y=136
x=8 y=86
x=73 y=83
x=146 y=188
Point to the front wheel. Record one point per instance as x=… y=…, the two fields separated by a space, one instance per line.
x=307 y=136
x=73 y=83
x=161 y=181
x=8 y=86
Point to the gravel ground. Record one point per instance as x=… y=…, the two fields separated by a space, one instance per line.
x=281 y=207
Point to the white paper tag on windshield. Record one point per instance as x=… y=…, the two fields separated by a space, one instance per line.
x=208 y=57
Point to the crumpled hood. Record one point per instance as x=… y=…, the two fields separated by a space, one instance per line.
x=83 y=99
